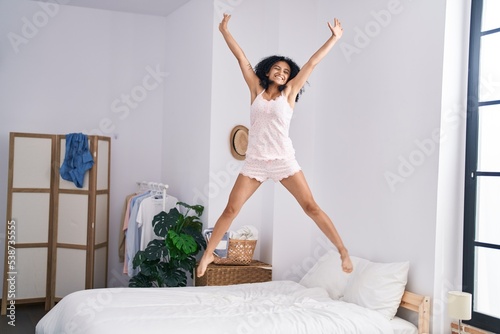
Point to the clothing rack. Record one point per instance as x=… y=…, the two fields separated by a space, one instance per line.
x=157 y=187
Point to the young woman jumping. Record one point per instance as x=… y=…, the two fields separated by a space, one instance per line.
x=275 y=86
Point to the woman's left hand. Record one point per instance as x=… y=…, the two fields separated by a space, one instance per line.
x=336 y=29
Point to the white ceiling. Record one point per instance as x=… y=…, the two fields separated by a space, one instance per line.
x=148 y=7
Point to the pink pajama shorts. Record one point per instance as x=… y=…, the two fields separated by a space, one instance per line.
x=276 y=170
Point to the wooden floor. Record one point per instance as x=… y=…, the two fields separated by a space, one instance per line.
x=27 y=316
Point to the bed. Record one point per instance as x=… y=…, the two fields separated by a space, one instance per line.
x=282 y=306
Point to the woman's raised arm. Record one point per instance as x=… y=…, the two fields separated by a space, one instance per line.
x=246 y=68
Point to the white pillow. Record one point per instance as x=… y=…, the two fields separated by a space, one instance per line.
x=377 y=286
x=327 y=273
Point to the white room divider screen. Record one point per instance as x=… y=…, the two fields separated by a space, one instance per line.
x=56 y=233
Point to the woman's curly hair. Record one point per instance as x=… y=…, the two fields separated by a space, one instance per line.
x=265 y=65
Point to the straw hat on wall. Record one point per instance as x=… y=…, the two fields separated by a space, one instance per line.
x=238 y=142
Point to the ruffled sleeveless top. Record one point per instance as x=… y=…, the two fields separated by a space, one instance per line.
x=268 y=137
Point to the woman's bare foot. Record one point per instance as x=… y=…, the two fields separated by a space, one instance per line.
x=346 y=263
x=206 y=259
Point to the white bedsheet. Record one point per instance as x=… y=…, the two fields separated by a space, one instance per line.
x=401 y=326
x=271 y=307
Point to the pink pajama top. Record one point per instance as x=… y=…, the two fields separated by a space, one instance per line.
x=268 y=137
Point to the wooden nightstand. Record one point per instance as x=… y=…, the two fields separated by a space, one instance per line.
x=468 y=329
x=219 y=274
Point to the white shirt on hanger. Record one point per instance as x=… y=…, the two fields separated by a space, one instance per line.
x=148 y=209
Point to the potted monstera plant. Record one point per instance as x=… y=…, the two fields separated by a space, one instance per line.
x=166 y=261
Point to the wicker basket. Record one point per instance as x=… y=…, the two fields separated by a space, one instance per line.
x=239 y=252
x=217 y=274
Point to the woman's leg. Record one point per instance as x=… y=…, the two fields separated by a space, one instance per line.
x=243 y=188
x=298 y=187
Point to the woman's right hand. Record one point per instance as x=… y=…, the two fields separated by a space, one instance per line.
x=223 y=23
x=336 y=29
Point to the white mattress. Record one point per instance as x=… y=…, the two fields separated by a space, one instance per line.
x=271 y=307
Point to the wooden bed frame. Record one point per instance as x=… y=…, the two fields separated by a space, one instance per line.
x=420 y=304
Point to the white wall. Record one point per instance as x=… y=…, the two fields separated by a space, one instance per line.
x=65 y=78
x=186 y=134
x=376 y=151
x=381 y=105
x=188 y=90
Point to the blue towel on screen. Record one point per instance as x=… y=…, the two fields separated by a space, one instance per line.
x=77 y=160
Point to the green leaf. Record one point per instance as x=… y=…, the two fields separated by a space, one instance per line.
x=163 y=221
x=197 y=208
x=169 y=275
x=188 y=264
x=149 y=268
x=140 y=281
x=139 y=258
x=175 y=277
x=174 y=252
x=183 y=242
x=179 y=224
x=194 y=223
x=197 y=236
x=155 y=250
